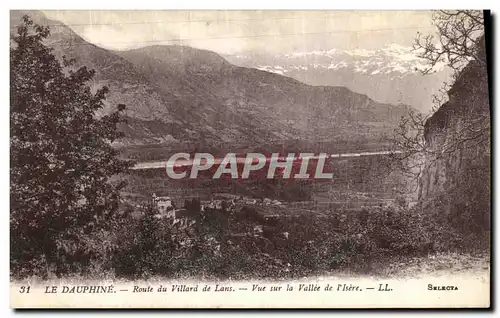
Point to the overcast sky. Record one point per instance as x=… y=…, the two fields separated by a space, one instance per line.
x=232 y=32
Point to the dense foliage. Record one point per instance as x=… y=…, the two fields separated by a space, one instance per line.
x=61 y=158
x=222 y=245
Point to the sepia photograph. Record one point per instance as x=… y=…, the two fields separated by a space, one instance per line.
x=250 y=159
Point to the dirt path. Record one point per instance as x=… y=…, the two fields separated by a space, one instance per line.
x=441 y=264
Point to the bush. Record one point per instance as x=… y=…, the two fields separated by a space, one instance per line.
x=146 y=247
x=357 y=240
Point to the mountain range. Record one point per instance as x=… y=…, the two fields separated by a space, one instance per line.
x=182 y=95
x=391 y=74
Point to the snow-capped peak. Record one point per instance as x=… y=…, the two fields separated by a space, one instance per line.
x=393 y=58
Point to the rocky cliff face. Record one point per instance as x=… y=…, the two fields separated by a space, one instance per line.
x=455 y=182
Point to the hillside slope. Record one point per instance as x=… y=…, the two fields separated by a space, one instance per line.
x=178 y=94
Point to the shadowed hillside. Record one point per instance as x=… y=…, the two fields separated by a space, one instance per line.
x=181 y=94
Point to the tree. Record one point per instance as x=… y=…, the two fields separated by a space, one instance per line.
x=459 y=42
x=459 y=34
x=61 y=157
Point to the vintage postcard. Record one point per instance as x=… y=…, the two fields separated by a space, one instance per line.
x=250 y=159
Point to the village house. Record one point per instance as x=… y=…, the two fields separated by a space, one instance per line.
x=165 y=206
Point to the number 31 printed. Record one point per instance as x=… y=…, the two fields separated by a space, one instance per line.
x=24 y=289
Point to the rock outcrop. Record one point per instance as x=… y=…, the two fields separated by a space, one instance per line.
x=455 y=183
